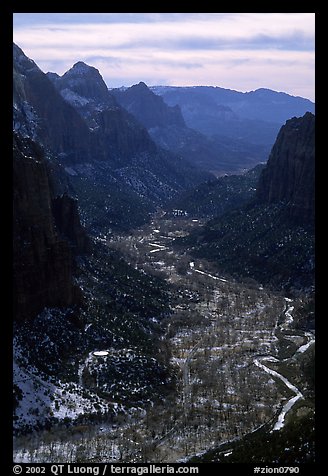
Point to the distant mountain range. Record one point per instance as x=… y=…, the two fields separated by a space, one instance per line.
x=254 y=116
x=167 y=127
x=219 y=130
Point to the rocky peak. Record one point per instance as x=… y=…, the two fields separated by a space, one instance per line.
x=86 y=82
x=52 y=76
x=147 y=107
x=289 y=174
x=141 y=88
x=141 y=85
x=81 y=69
x=21 y=61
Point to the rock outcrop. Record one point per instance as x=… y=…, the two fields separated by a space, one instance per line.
x=63 y=115
x=289 y=174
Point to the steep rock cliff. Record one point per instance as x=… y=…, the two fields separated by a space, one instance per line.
x=289 y=174
x=83 y=88
x=42 y=114
x=63 y=115
x=42 y=260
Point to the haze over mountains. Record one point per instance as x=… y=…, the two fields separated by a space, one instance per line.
x=253 y=115
x=167 y=126
x=98 y=175
x=219 y=130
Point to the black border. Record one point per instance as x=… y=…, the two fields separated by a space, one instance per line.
x=6 y=18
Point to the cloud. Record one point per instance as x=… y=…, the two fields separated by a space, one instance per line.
x=198 y=31
x=244 y=50
x=295 y=42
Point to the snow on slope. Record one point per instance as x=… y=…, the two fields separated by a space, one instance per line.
x=42 y=399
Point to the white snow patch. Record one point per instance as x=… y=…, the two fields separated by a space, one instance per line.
x=210 y=275
x=288 y=315
x=304 y=347
x=42 y=399
x=74 y=98
x=70 y=171
x=157 y=245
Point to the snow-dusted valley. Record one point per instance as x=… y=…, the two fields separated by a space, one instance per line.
x=163 y=309
x=236 y=357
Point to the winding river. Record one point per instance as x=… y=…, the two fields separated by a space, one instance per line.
x=259 y=362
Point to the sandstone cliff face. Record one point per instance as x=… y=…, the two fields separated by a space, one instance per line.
x=289 y=174
x=42 y=264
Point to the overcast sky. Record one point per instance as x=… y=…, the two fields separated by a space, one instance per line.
x=242 y=51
